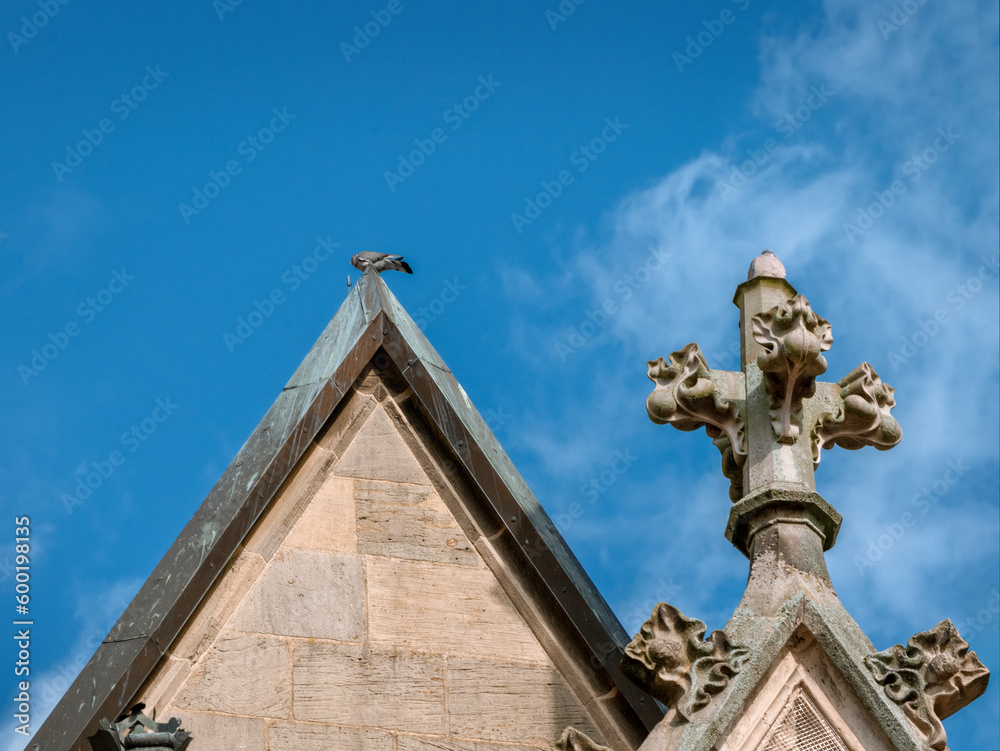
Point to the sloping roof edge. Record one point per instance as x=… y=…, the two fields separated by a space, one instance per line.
x=369 y=319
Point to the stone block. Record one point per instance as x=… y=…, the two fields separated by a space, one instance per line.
x=242 y=674
x=379 y=453
x=306 y=593
x=496 y=701
x=298 y=736
x=227 y=592
x=328 y=521
x=338 y=433
x=346 y=685
x=438 y=607
x=376 y=491
x=222 y=731
x=413 y=743
x=424 y=533
x=291 y=500
x=161 y=686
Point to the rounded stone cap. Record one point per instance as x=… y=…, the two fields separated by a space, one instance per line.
x=766 y=264
x=780 y=506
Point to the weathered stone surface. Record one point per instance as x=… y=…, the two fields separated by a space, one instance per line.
x=211 y=731
x=222 y=599
x=672 y=660
x=376 y=491
x=378 y=453
x=338 y=433
x=242 y=674
x=519 y=703
x=299 y=736
x=306 y=593
x=424 y=533
x=163 y=683
x=932 y=677
x=447 y=609
x=347 y=685
x=328 y=521
x=293 y=497
x=412 y=743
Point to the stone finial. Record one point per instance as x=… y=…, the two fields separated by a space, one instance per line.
x=670 y=659
x=793 y=337
x=687 y=398
x=134 y=730
x=766 y=264
x=933 y=677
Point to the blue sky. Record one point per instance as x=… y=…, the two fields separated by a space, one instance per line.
x=167 y=169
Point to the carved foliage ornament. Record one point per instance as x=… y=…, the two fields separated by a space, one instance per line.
x=793 y=337
x=135 y=730
x=671 y=660
x=573 y=740
x=933 y=677
x=686 y=397
x=863 y=419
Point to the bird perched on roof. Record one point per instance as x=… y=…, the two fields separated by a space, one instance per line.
x=380 y=262
x=766 y=264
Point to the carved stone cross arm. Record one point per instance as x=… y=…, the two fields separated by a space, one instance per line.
x=772 y=419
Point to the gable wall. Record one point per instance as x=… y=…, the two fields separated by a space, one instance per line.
x=360 y=613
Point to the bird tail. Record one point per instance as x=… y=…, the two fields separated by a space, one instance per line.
x=405 y=267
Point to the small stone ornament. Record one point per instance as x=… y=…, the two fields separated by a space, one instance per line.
x=687 y=398
x=670 y=659
x=932 y=677
x=135 y=730
x=573 y=740
x=793 y=338
x=863 y=418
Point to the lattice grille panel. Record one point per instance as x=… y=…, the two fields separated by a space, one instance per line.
x=802 y=728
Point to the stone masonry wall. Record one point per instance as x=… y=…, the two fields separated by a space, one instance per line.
x=358 y=615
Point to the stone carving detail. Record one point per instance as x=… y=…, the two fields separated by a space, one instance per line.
x=685 y=396
x=573 y=740
x=135 y=730
x=793 y=337
x=670 y=659
x=933 y=677
x=863 y=419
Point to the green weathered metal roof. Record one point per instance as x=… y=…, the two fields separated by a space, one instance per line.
x=369 y=320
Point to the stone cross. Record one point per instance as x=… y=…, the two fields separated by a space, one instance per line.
x=772 y=420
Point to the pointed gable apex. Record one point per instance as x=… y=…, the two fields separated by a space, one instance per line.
x=370 y=334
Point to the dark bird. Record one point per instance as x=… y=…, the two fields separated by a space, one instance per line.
x=380 y=262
